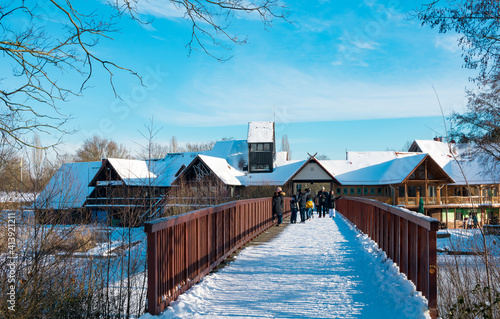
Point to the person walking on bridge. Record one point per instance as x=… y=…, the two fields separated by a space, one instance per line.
x=310 y=203
x=331 y=203
x=278 y=204
x=294 y=207
x=322 y=201
x=302 y=205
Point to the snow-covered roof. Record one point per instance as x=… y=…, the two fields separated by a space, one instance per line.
x=260 y=132
x=279 y=176
x=371 y=158
x=392 y=171
x=168 y=168
x=457 y=165
x=220 y=167
x=132 y=172
x=234 y=151
x=439 y=151
x=475 y=174
x=68 y=188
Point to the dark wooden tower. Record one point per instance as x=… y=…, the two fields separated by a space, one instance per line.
x=261 y=147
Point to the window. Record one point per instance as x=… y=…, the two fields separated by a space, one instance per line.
x=260 y=147
x=419 y=173
x=379 y=191
x=345 y=191
x=366 y=191
x=352 y=191
x=338 y=191
x=359 y=191
x=372 y=191
x=257 y=167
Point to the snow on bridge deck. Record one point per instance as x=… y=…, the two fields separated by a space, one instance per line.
x=320 y=269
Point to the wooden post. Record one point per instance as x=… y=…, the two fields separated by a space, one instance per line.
x=446 y=194
x=153 y=298
x=432 y=298
x=406 y=194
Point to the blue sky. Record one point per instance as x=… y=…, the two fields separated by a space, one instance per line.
x=355 y=75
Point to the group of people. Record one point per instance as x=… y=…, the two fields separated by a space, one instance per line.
x=303 y=203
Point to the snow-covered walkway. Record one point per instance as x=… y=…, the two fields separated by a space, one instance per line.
x=320 y=269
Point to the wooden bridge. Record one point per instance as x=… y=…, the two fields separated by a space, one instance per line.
x=184 y=248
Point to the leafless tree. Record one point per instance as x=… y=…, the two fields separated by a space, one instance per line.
x=43 y=54
x=97 y=148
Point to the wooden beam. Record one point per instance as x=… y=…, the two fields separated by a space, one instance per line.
x=406 y=193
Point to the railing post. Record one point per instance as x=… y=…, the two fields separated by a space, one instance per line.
x=153 y=299
x=432 y=298
x=404 y=246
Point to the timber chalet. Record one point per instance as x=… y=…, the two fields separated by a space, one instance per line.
x=434 y=171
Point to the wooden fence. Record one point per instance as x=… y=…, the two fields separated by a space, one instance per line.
x=409 y=239
x=182 y=249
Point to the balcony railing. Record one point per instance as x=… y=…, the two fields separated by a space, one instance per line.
x=451 y=200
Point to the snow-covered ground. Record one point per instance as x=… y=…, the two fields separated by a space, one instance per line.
x=321 y=269
x=468 y=240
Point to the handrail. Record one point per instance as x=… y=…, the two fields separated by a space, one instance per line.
x=408 y=238
x=184 y=248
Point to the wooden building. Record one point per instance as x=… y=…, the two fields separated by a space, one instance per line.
x=452 y=185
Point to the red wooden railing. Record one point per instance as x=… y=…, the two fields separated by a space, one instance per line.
x=408 y=238
x=182 y=249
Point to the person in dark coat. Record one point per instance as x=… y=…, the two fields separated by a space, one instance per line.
x=278 y=204
x=302 y=205
x=294 y=207
x=322 y=201
x=331 y=203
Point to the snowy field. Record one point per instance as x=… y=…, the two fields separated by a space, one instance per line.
x=320 y=269
x=468 y=240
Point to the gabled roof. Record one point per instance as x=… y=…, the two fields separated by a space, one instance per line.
x=433 y=168
x=69 y=187
x=455 y=164
x=220 y=167
x=132 y=172
x=260 y=132
x=234 y=177
x=170 y=167
x=439 y=151
x=312 y=159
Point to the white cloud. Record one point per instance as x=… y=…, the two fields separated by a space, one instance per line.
x=159 y=9
x=300 y=97
x=447 y=42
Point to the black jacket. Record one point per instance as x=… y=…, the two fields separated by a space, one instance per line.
x=331 y=200
x=294 y=204
x=278 y=202
x=322 y=198
x=302 y=199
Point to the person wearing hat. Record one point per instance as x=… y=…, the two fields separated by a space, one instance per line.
x=278 y=204
x=322 y=197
